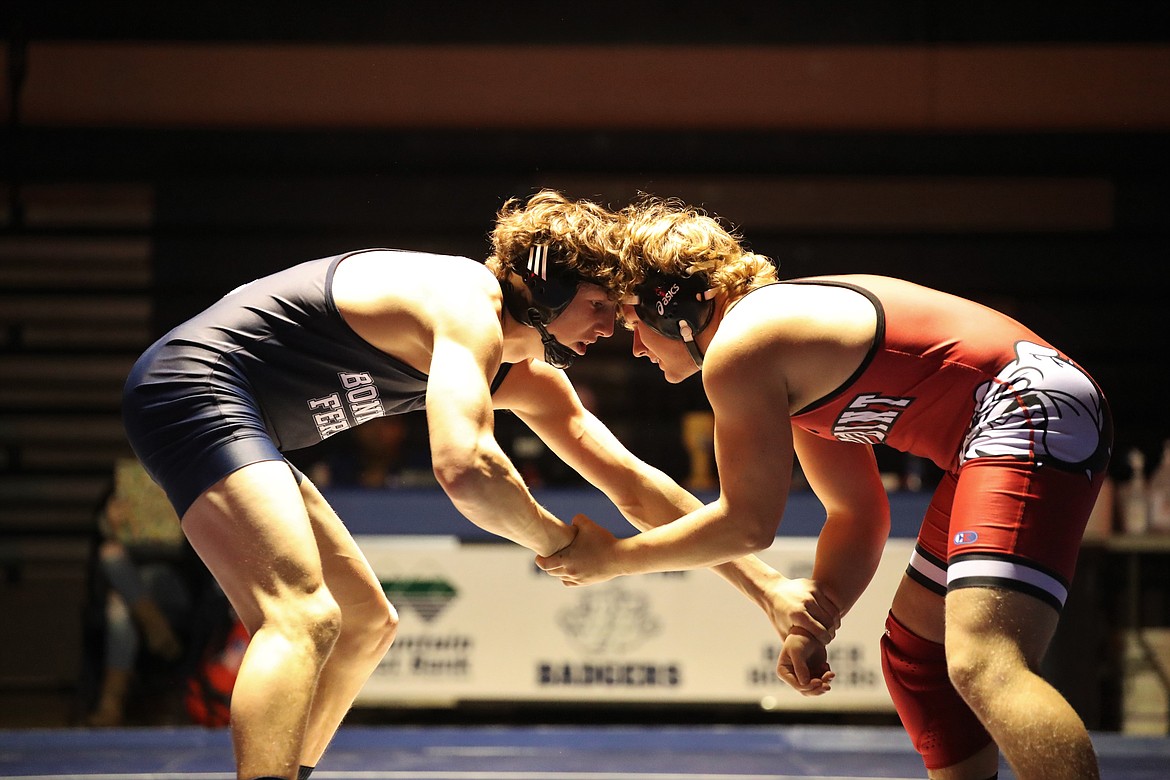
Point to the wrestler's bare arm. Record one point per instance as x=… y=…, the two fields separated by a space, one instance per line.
x=546 y=401
x=846 y=479
x=468 y=461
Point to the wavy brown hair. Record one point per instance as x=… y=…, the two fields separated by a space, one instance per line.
x=669 y=236
x=581 y=234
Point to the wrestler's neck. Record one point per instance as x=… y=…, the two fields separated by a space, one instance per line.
x=723 y=304
x=521 y=342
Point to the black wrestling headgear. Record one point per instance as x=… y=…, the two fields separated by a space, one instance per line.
x=551 y=287
x=678 y=307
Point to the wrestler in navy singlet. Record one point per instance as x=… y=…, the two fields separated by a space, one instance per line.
x=270 y=367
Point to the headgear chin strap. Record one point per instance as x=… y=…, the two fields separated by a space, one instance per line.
x=556 y=354
x=678 y=307
x=551 y=287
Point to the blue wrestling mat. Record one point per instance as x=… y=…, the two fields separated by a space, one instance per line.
x=528 y=753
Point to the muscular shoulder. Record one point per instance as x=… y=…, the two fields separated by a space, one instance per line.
x=533 y=387
x=400 y=301
x=369 y=278
x=805 y=339
x=805 y=311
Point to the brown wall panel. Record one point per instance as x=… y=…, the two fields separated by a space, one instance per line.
x=471 y=86
x=1054 y=87
x=878 y=203
x=634 y=87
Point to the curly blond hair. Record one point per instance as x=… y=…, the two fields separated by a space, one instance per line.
x=679 y=240
x=581 y=234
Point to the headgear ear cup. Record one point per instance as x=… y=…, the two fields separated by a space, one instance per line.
x=551 y=287
x=678 y=307
x=550 y=282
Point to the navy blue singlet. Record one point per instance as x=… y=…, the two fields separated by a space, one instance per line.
x=270 y=367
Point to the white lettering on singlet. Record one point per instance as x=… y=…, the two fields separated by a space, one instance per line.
x=361 y=397
x=868 y=418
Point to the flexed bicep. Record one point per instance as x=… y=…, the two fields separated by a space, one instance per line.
x=844 y=476
x=459 y=404
x=469 y=463
x=753 y=443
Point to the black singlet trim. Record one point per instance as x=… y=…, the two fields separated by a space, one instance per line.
x=1015 y=585
x=930 y=557
x=879 y=338
x=398 y=362
x=501 y=375
x=1017 y=559
x=925 y=581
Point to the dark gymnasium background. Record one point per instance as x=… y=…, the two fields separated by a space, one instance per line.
x=155 y=155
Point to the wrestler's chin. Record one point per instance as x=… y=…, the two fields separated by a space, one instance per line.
x=674 y=376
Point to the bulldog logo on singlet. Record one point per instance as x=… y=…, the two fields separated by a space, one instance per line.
x=1041 y=406
x=361 y=397
x=869 y=417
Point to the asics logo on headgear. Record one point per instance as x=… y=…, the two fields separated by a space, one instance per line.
x=666 y=297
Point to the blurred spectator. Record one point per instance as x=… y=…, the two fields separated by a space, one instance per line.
x=146 y=588
x=207 y=696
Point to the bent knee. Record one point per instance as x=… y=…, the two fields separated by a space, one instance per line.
x=380 y=627
x=313 y=619
x=965 y=672
x=979 y=674
x=368 y=628
x=325 y=620
x=941 y=725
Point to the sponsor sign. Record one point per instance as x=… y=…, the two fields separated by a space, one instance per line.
x=482 y=622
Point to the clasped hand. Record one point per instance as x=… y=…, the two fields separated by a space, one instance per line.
x=807 y=620
x=590 y=558
x=804 y=664
x=805 y=617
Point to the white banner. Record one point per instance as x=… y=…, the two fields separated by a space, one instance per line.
x=481 y=622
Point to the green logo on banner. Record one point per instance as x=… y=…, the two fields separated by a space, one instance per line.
x=426 y=597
